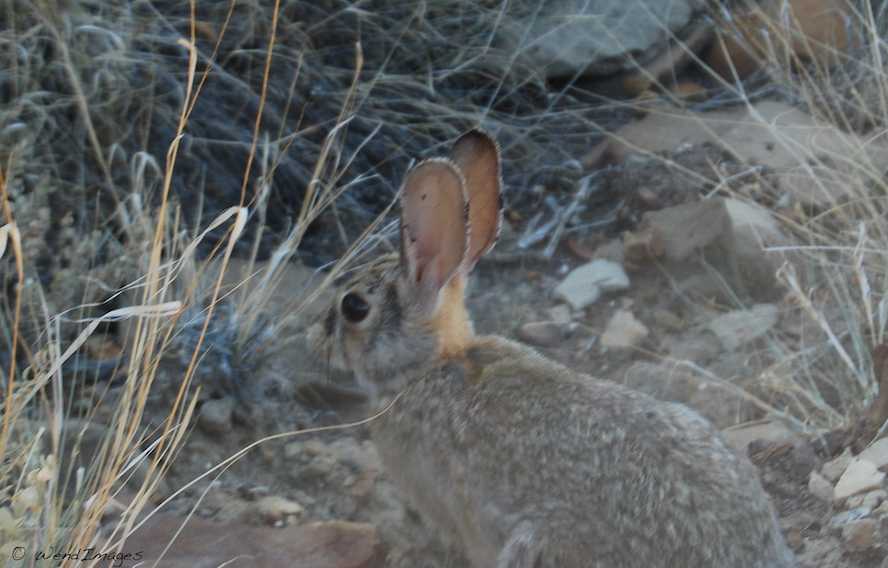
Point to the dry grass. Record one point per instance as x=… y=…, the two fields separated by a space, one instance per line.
x=239 y=107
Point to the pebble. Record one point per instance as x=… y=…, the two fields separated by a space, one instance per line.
x=584 y=284
x=560 y=314
x=874 y=498
x=215 y=415
x=543 y=333
x=623 y=331
x=275 y=509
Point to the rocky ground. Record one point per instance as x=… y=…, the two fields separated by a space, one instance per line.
x=678 y=297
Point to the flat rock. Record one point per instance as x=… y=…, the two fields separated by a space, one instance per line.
x=584 y=284
x=206 y=544
x=860 y=476
x=569 y=38
x=877 y=453
x=623 y=331
x=770 y=133
x=734 y=329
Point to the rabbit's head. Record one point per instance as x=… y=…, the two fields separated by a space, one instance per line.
x=402 y=310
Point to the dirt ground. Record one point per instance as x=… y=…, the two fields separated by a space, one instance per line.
x=337 y=475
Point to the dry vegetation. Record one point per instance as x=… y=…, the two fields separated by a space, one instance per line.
x=142 y=143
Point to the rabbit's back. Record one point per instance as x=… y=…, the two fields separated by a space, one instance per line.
x=507 y=450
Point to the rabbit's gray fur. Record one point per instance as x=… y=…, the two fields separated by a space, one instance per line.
x=524 y=463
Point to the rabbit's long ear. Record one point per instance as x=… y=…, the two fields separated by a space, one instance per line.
x=434 y=226
x=477 y=156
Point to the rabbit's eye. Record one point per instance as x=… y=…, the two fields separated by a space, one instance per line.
x=354 y=307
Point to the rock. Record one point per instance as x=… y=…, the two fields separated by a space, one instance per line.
x=584 y=285
x=854 y=502
x=687 y=228
x=560 y=314
x=794 y=539
x=569 y=38
x=875 y=498
x=274 y=509
x=215 y=415
x=741 y=436
x=816 y=30
x=689 y=91
x=877 y=453
x=833 y=469
x=860 y=476
x=623 y=331
x=820 y=487
x=543 y=333
x=730 y=234
x=735 y=329
x=840 y=520
x=773 y=134
x=204 y=544
x=860 y=535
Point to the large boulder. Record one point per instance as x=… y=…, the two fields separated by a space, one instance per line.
x=563 y=38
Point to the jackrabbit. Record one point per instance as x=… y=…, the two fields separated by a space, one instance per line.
x=517 y=459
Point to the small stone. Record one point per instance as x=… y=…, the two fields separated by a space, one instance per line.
x=860 y=535
x=543 y=333
x=739 y=327
x=854 y=502
x=882 y=509
x=560 y=314
x=623 y=330
x=874 y=498
x=877 y=453
x=833 y=469
x=860 y=476
x=840 y=520
x=820 y=487
x=584 y=285
x=215 y=415
x=794 y=539
x=275 y=509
